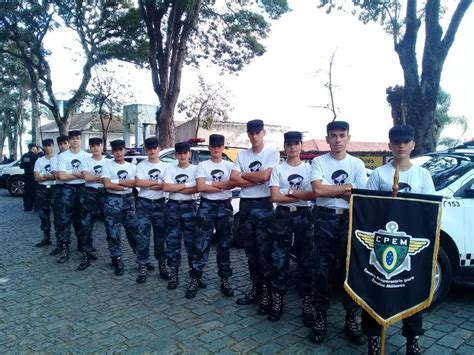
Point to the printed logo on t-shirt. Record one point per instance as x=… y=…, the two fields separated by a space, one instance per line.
x=181 y=178
x=76 y=165
x=98 y=170
x=47 y=168
x=255 y=166
x=339 y=177
x=122 y=174
x=154 y=173
x=295 y=181
x=217 y=175
x=404 y=187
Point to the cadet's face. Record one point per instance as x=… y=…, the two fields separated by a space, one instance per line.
x=293 y=149
x=75 y=142
x=256 y=139
x=48 y=149
x=118 y=153
x=337 y=140
x=402 y=149
x=153 y=153
x=63 y=146
x=216 y=150
x=96 y=149
x=183 y=157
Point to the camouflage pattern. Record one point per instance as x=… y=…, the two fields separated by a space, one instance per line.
x=57 y=197
x=330 y=255
x=256 y=217
x=70 y=211
x=150 y=214
x=119 y=210
x=212 y=215
x=45 y=204
x=180 y=223
x=92 y=204
x=286 y=224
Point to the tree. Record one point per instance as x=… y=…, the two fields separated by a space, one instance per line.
x=106 y=96
x=25 y=26
x=446 y=120
x=182 y=32
x=207 y=106
x=331 y=106
x=417 y=98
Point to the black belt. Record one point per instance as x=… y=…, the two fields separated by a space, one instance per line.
x=74 y=185
x=151 y=200
x=95 y=188
x=119 y=195
x=336 y=211
x=43 y=187
x=215 y=201
x=254 y=198
x=181 y=202
x=293 y=208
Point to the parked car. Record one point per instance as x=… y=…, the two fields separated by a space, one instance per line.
x=12 y=179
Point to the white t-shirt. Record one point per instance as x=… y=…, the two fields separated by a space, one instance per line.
x=117 y=172
x=330 y=171
x=43 y=166
x=248 y=161
x=211 y=171
x=151 y=171
x=294 y=177
x=94 y=167
x=415 y=180
x=175 y=175
x=70 y=162
x=54 y=168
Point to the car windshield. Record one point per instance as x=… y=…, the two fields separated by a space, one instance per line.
x=444 y=169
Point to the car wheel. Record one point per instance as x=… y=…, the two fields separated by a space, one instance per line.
x=16 y=186
x=443 y=276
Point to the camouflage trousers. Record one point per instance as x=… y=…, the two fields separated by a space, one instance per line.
x=70 y=211
x=119 y=210
x=45 y=204
x=212 y=215
x=150 y=215
x=92 y=203
x=57 y=197
x=180 y=224
x=256 y=217
x=330 y=231
x=286 y=225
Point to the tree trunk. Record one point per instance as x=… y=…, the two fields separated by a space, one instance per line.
x=36 y=136
x=165 y=122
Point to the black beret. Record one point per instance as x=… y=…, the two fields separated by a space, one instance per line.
x=47 y=141
x=254 y=126
x=337 y=125
x=401 y=133
x=216 y=140
x=182 y=147
x=117 y=144
x=95 y=140
x=74 y=133
x=61 y=139
x=293 y=137
x=31 y=145
x=152 y=142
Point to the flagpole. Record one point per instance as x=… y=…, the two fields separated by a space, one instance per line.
x=382 y=339
x=396 y=177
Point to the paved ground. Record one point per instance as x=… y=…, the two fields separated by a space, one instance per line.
x=52 y=308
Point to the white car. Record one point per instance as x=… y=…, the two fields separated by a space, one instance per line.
x=453 y=176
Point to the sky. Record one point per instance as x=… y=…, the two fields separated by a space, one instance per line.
x=285 y=86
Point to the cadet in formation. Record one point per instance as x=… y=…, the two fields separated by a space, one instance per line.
x=27 y=163
x=252 y=172
x=215 y=213
x=118 y=177
x=150 y=211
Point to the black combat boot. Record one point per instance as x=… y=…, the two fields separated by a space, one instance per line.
x=64 y=255
x=352 y=327
x=307 y=312
x=226 y=289
x=265 y=301
x=150 y=266
x=192 y=288
x=45 y=241
x=164 y=274
x=57 y=250
x=374 y=345
x=92 y=255
x=85 y=262
x=174 y=278
x=251 y=297
x=119 y=266
x=142 y=273
x=320 y=328
x=202 y=284
x=413 y=348
x=277 y=307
